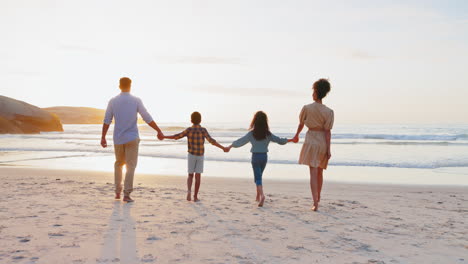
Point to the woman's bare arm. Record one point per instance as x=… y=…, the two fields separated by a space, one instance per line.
x=295 y=139
x=328 y=140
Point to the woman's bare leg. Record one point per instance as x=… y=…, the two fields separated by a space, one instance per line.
x=320 y=182
x=261 y=195
x=197 y=186
x=314 y=186
x=189 y=186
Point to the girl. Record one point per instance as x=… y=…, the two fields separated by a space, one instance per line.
x=259 y=136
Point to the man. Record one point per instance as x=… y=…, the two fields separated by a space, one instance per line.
x=124 y=108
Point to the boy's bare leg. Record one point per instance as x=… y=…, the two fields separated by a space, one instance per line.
x=189 y=186
x=197 y=186
x=258 y=195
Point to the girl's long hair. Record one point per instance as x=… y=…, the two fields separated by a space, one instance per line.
x=259 y=126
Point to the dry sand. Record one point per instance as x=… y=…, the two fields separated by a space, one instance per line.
x=52 y=216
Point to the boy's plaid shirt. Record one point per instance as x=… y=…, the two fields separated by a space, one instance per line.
x=196 y=135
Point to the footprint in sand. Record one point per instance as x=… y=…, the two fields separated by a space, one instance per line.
x=148 y=258
x=367 y=248
x=149 y=215
x=56 y=235
x=73 y=245
x=153 y=238
x=297 y=248
x=373 y=261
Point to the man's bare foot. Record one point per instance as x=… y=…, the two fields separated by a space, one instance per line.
x=128 y=199
x=189 y=196
x=117 y=196
x=195 y=199
x=262 y=200
x=257 y=199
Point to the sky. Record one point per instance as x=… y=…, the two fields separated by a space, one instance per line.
x=389 y=62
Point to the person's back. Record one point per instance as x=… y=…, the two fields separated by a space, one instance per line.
x=317 y=116
x=259 y=136
x=125 y=108
x=196 y=135
x=259 y=145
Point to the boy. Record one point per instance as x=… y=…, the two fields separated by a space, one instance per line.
x=196 y=135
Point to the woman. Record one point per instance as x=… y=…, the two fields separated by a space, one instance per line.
x=315 y=152
x=259 y=136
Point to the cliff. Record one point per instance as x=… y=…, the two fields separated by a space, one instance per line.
x=77 y=115
x=17 y=117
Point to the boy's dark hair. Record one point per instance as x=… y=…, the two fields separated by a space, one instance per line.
x=125 y=83
x=259 y=126
x=196 y=118
x=322 y=87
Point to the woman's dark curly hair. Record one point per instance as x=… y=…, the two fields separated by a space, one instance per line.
x=322 y=87
x=259 y=126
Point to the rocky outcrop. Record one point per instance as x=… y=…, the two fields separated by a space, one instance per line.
x=77 y=115
x=17 y=117
x=80 y=115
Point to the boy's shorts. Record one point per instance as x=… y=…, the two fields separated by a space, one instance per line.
x=195 y=163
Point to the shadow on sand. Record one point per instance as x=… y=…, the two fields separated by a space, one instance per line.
x=119 y=243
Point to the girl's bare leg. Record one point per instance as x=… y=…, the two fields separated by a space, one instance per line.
x=261 y=195
x=314 y=186
x=197 y=186
x=189 y=186
x=258 y=195
x=320 y=182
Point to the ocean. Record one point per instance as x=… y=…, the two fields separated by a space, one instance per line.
x=438 y=150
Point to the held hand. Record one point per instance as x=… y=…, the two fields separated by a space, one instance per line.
x=227 y=149
x=295 y=139
x=103 y=143
x=160 y=136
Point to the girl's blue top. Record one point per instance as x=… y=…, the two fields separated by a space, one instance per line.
x=258 y=146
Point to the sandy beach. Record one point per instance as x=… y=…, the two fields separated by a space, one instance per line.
x=57 y=216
